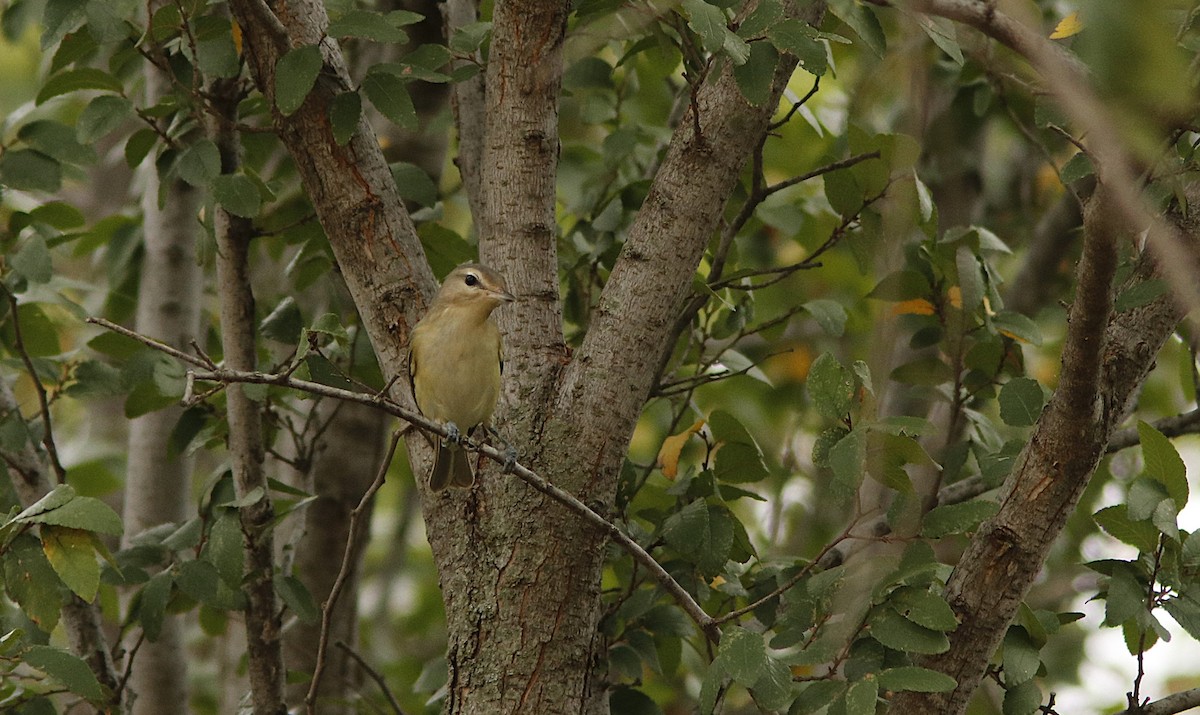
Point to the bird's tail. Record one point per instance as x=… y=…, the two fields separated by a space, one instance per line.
x=451 y=468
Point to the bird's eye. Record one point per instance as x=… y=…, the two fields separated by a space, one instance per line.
x=472 y=279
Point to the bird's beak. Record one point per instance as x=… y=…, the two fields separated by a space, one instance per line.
x=503 y=296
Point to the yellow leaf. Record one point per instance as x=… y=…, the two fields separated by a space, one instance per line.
x=668 y=454
x=237 y=37
x=955 y=296
x=916 y=306
x=1007 y=334
x=717 y=581
x=1069 y=25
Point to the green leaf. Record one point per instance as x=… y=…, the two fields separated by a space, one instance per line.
x=72 y=553
x=1163 y=463
x=324 y=372
x=831 y=386
x=744 y=655
x=1021 y=401
x=1144 y=497
x=31 y=581
x=87 y=513
x=1076 y=168
x=296 y=596
x=816 y=695
x=1115 y=522
x=843 y=192
x=941 y=31
x=774 y=689
x=237 y=194
x=847 y=460
x=901 y=286
x=959 y=518
x=414 y=184
x=216 y=54
x=1024 y=699
x=687 y=529
x=754 y=76
x=707 y=21
x=1017 y=327
x=295 y=74
x=739 y=461
x=915 y=679
x=58 y=214
x=367 y=25
x=861 y=697
x=470 y=38
x=898 y=633
x=623 y=699
x=138 y=146
x=33 y=260
x=389 y=95
x=74 y=80
x=862 y=20
x=796 y=38
x=1185 y=610
x=200 y=163
x=101 y=117
x=762 y=19
x=29 y=170
x=1125 y=598
x=69 y=670
x=153 y=603
x=57 y=141
x=1139 y=294
x=924 y=608
x=224 y=548
x=829 y=314
x=344 y=112
x=284 y=322
x=1020 y=658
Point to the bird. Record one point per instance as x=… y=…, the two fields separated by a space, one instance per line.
x=455 y=361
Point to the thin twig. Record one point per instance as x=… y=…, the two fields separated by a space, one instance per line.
x=43 y=397
x=374 y=675
x=310 y=699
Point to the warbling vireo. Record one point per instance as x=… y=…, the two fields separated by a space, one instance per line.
x=455 y=364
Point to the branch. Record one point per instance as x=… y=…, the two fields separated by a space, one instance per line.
x=1187 y=423
x=1171 y=704
x=236 y=305
x=374 y=674
x=43 y=398
x=225 y=376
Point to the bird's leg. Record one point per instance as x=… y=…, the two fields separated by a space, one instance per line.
x=453 y=435
x=510 y=452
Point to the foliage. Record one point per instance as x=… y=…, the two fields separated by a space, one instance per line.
x=845 y=352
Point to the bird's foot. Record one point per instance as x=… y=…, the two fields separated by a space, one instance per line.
x=453 y=435
x=510 y=452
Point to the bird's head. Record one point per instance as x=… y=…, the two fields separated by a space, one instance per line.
x=473 y=285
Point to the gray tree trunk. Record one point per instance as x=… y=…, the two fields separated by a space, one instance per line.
x=157 y=483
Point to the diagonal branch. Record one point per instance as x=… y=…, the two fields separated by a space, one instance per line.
x=379 y=401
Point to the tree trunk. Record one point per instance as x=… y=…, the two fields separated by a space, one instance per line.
x=157 y=483
x=347 y=463
x=263 y=623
